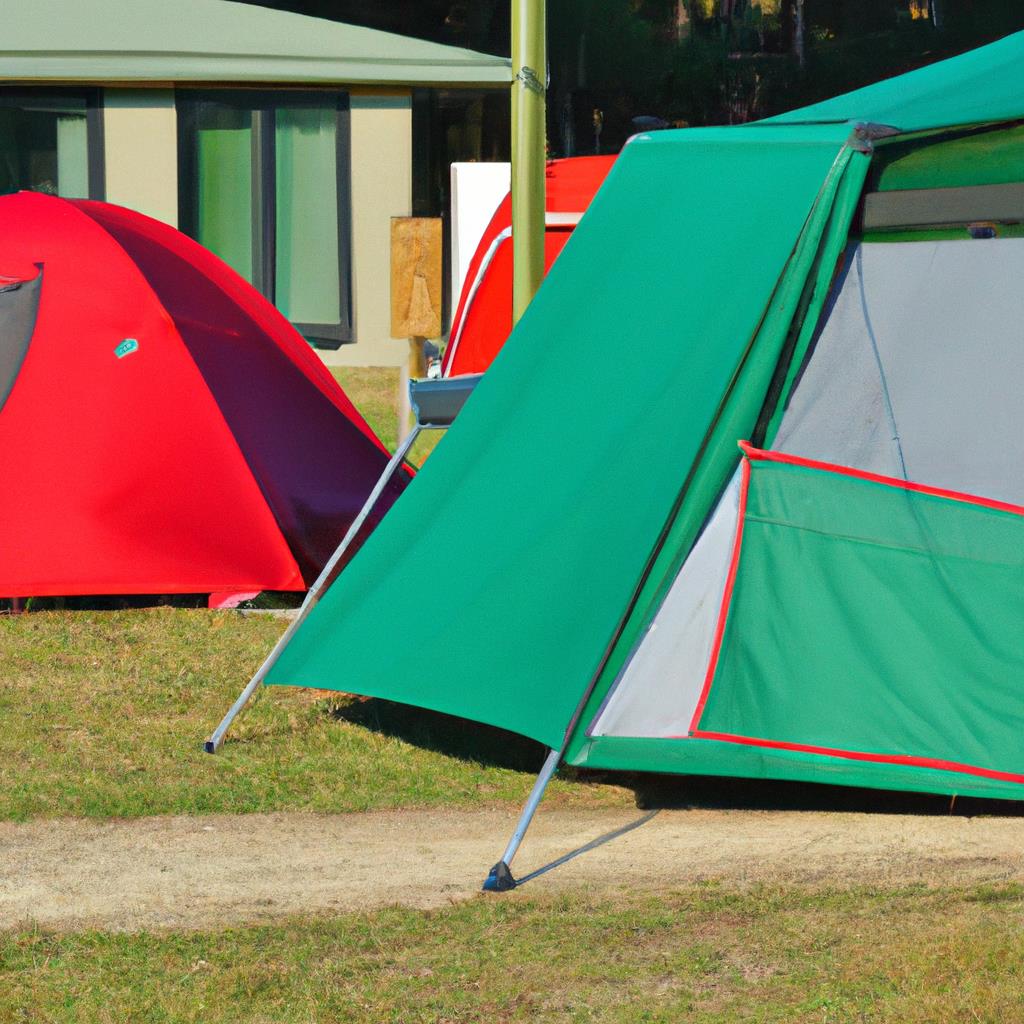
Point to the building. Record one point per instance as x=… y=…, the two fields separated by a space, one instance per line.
x=284 y=143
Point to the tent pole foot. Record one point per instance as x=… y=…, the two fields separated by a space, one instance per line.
x=216 y=740
x=500 y=878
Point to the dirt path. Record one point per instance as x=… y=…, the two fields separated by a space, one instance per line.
x=202 y=872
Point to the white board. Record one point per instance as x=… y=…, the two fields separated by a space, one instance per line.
x=477 y=190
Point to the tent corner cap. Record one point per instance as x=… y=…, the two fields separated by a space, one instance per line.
x=865 y=133
x=499 y=879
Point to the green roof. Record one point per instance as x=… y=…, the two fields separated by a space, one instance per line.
x=220 y=41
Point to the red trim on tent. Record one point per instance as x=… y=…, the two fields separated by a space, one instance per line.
x=752 y=454
x=760 y=455
x=730 y=582
x=853 y=755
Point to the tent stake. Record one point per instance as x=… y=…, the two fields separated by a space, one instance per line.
x=500 y=878
x=216 y=740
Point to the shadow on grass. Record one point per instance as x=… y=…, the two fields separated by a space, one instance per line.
x=444 y=734
x=265 y=600
x=487 y=745
x=587 y=847
x=712 y=793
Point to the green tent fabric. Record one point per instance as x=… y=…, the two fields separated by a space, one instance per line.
x=840 y=553
x=981 y=86
x=981 y=158
x=538 y=543
x=533 y=518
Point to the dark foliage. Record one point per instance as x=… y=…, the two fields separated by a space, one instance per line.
x=696 y=61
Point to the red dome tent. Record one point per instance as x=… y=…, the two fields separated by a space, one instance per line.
x=483 y=318
x=163 y=429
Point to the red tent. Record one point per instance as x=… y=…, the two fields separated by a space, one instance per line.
x=483 y=317
x=163 y=429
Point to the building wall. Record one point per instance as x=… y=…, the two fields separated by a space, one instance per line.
x=381 y=189
x=140 y=147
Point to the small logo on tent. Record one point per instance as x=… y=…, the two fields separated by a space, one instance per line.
x=126 y=348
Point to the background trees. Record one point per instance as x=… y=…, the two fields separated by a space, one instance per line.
x=696 y=61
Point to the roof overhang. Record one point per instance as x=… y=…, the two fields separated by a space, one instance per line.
x=222 y=41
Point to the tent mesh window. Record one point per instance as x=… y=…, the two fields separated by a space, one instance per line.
x=915 y=372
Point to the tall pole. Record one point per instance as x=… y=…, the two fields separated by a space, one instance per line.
x=529 y=63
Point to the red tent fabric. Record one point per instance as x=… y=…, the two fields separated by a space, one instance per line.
x=163 y=429
x=483 y=317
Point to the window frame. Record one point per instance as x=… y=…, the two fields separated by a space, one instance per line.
x=96 y=170
x=263 y=105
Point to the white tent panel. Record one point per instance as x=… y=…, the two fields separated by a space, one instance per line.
x=658 y=689
x=918 y=370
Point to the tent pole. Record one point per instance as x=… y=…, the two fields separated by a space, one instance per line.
x=500 y=878
x=216 y=740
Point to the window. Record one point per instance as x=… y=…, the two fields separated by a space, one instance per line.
x=264 y=183
x=51 y=142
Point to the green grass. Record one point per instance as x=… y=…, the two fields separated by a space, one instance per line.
x=373 y=390
x=104 y=714
x=910 y=956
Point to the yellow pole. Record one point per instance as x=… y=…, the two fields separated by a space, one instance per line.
x=529 y=64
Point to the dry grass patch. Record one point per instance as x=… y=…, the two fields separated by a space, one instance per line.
x=912 y=956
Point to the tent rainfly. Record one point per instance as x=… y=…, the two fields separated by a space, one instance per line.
x=784 y=537
x=137 y=458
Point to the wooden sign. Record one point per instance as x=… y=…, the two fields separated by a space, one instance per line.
x=416 y=260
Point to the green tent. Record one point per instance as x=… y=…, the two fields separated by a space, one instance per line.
x=839 y=601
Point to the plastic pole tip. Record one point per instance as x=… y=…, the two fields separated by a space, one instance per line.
x=500 y=878
x=210 y=747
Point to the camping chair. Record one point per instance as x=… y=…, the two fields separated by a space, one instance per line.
x=435 y=404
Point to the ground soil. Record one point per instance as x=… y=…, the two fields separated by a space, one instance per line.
x=201 y=872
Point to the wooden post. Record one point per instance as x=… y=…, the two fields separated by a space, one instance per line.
x=416 y=262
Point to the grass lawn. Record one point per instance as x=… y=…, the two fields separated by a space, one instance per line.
x=912 y=956
x=104 y=714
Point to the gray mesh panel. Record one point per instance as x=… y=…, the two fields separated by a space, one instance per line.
x=19 y=302
x=918 y=370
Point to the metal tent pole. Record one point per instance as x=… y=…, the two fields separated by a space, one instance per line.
x=529 y=61
x=216 y=740
x=500 y=878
